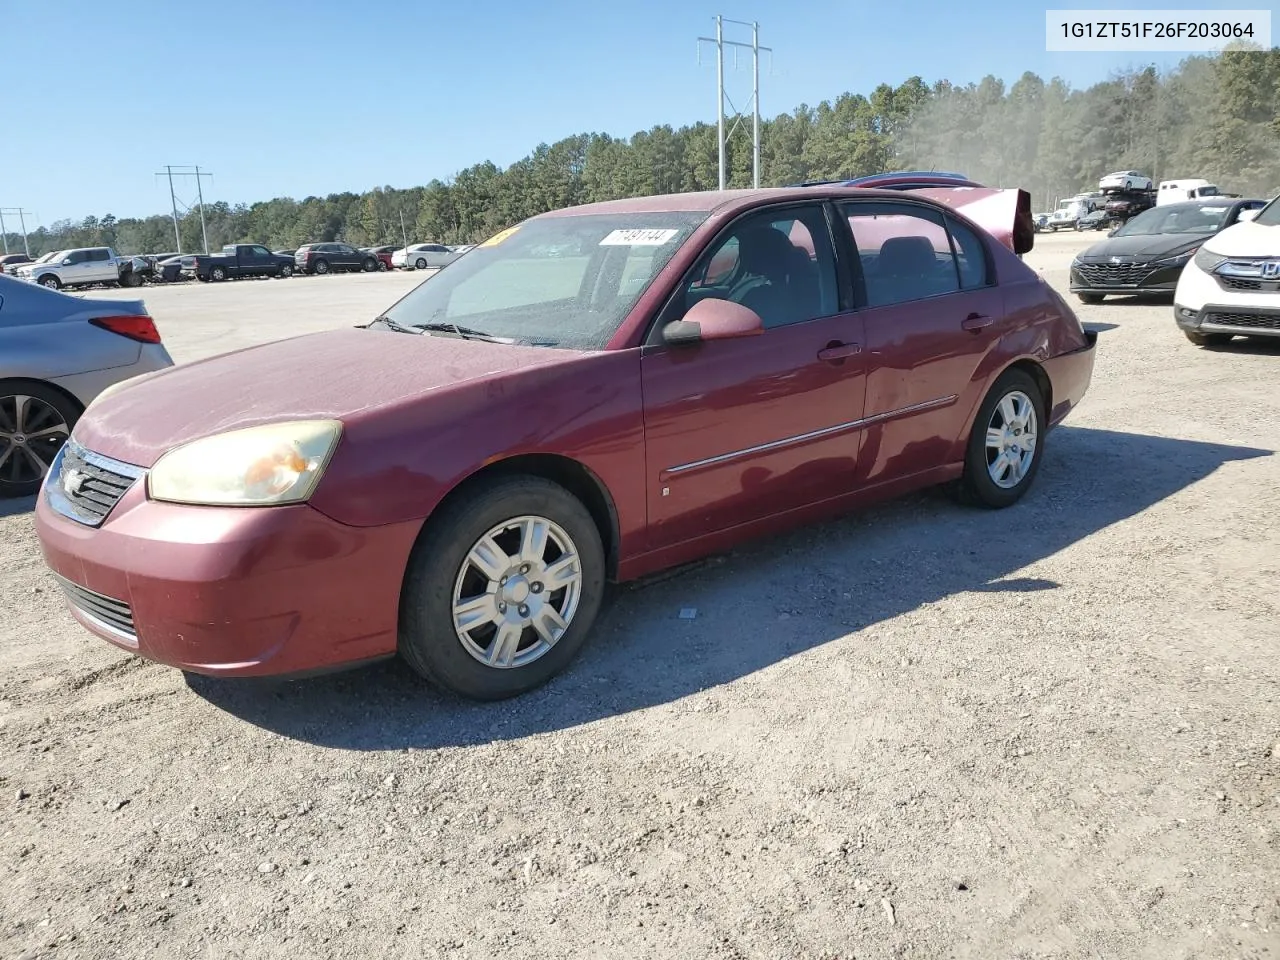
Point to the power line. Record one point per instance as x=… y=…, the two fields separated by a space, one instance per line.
x=175 y=170
x=721 y=96
x=22 y=214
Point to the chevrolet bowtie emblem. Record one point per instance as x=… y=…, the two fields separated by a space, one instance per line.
x=72 y=481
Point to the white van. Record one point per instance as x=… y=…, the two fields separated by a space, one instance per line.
x=1179 y=191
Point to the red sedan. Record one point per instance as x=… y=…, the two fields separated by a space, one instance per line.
x=574 y=401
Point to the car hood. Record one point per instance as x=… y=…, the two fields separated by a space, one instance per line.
x=339 y=374
x=1247 y=239
x=1141 y=249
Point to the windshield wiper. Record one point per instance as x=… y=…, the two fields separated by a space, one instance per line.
x=466 y=333
x=397 y=327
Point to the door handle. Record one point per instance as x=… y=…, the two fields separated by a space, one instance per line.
x=976 y=321
x=838 y=351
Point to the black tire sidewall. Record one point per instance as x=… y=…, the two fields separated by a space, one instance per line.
x=427 y=638
x=977 y=481
x=322 y=266
x=70 y=413
x=420 y=264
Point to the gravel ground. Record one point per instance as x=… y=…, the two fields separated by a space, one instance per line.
x=921 y=732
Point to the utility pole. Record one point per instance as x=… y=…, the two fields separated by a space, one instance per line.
x=22 y=214
x=722 y=97
x=403 y=235
x=172 y=171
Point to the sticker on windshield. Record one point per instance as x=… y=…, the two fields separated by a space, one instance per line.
x=638 y=238
x=497 y=238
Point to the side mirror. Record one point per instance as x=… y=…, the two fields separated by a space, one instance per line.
x=66 y=262
x=713 y=319
x=1247 y=215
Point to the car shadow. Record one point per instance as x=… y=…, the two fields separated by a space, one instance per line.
x=1099 y=327
x=810 y=586
x=16 y=505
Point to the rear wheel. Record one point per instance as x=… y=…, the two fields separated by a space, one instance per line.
x=1208 y=339
x=217 y=274
x=322 y=266
x=502 y=589
x=420 y=264
x=1091 y=297
x=286 y=271
x=1006 y=444
x=35 y=421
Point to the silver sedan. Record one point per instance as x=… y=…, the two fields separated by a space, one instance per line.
x=57 y=353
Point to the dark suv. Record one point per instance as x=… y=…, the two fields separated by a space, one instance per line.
x=324 y=257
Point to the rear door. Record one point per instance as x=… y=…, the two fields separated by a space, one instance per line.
x=931 y=312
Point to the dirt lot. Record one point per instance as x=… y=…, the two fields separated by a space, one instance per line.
x=922 y=732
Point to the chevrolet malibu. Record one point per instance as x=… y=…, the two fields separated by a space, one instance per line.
x=574 y=401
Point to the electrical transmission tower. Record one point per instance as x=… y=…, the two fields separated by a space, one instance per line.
x=722 y=97
x=181 y=171
x=22 y=219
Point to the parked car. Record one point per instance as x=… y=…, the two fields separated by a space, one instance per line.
x=75 y=268
x=327 y=257
x=383 y=254
x=1147 y=254
x=457 y=479
x=1231 y=287
x=52 y=255
x=135 y=271
x=900 y=180
x=424 y=256
x=10 y=262
x=1095 y=220
x=58 y=353
x=1125 y=180
x=1178 y=191
x=239 y=261
x=170 y=269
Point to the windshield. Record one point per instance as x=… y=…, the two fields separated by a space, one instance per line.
x=559 y=281
x=51 y=255
x=1176 y=218
x=1269 y=216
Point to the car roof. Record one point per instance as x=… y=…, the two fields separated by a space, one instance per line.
x=721 y=201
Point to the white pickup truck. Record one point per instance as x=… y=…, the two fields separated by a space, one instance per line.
x=74 y=268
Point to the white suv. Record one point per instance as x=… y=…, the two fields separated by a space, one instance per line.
x=1231 y=288
x=74 y=268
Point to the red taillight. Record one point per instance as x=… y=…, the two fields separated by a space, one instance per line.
x=142 y=329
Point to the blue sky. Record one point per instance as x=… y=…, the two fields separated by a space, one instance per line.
x=293 y=99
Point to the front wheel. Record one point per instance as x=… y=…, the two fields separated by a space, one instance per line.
x=370 y=265
x=420 y=264
x=1006 y=444
x=1208 y=339
x=382 y=266
x=502 y=589
x=50 y=281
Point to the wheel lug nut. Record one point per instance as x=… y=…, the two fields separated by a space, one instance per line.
x=524 y=611
x=502 y=608
x=503 y=581
x=536 y=588
x=525 y=568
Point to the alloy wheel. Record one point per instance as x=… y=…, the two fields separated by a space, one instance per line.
x=31 y=434
x=1012 y=433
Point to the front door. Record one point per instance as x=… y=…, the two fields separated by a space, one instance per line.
x=736 y=430
x=932 y=313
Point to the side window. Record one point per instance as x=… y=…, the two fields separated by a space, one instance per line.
x=971 y=255
x=904 y=252
x=78 y=256
x=778 y=263
x=99 y=255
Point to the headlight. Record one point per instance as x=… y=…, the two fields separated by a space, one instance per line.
x=1176 y=261
x=258 y=466
x=1208 y=261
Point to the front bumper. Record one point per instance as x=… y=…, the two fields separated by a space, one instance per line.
x=230 y=591
x=1124 y=278
x=1236 y=320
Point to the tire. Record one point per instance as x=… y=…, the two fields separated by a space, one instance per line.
x=382 y=266
x=977 y=485
x=370 y=265
x=420 y=264
x=440 y=567
x=50 y=281
x=1208 y=339
x=285 y=272
x=1091 y=297
x=24 y=463
x=217 y=274
x=131 y=279
x=322 y=267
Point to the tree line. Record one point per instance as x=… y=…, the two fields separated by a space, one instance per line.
x=1216 y=117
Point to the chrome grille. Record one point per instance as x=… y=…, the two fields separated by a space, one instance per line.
x=1255 y=321
x=1114 y=274
x=84 y=485
x=113 y=615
